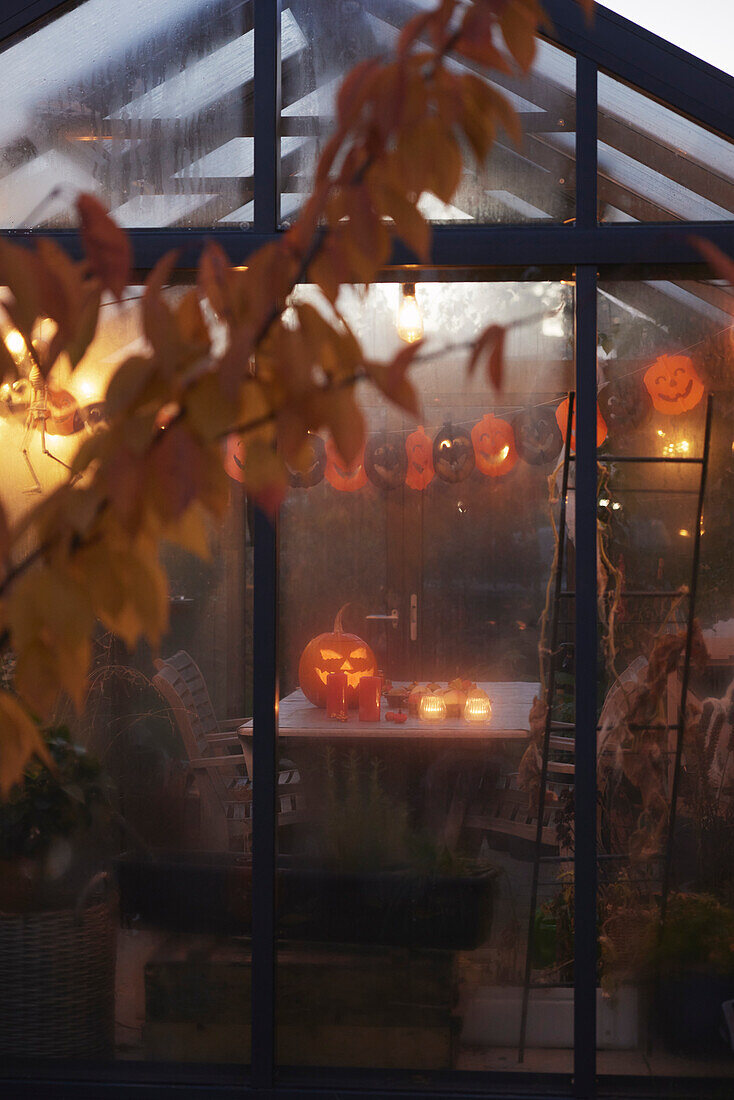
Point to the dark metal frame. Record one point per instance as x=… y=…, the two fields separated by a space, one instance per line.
x=698 y=91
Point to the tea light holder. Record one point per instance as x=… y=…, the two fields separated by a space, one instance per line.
x=432 y=708
x=478 y=707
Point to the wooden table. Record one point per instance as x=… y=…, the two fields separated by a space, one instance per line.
x=300 y=720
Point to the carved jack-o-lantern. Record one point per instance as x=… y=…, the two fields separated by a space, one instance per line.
x=313 y=472
x=453 y=454
x=420 y=460
x=234 y=458
x=385 y=461
x=562 y=418
x=494 y=446
x=335 y=652
x=537 y=436
x=347 y=479
x=673 y=384
x=625 y=404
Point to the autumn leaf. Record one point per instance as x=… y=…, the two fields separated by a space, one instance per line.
x=489 y=349
x=20 y=741
x=106 y=245
x=19 y=272
x=722 y=264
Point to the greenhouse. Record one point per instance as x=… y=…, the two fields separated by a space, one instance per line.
x=484 y=674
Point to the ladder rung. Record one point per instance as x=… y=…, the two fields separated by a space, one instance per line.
x=645 y=458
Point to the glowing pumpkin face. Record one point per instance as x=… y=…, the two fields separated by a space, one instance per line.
x=385 y=461
x=335 y=652
x=562 y=418
x=313 y=473
x=347 y=479
x=494 y=446
x=453 y=454
x=420 y=460
x=673 y=384
x=537 y=438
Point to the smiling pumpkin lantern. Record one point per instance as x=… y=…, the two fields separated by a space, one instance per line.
x=494 y=446
x=673 y=384
x=345 y=478
x=335 y=651
x=419 y=450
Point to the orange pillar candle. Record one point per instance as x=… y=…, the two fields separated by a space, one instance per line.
x=370 y=688
x=336 y=696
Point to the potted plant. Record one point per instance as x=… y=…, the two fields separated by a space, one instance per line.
x=57 y=919
x=694 y=970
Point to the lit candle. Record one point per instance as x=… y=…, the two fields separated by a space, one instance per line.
x=432 y=708
x=478 y=707
x=336 y=696
x=370 y=688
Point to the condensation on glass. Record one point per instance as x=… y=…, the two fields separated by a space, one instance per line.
x=666 y=899
x=157 y=966
x=147 y=106
x=533 y=183
x=655 y=165
x=405 y=887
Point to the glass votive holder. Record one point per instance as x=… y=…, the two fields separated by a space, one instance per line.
x=478 y=707
x=432 y=708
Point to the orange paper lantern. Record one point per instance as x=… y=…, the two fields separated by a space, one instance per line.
x=494 y=446
x=673 y=384
x=562 y=418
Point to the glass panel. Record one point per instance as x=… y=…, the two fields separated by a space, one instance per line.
x=160 y=973
x=533 y=183
x=657 y=166
x=405 y=885
x=148 y=106
x=666 y=899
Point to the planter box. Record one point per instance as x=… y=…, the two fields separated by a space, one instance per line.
x=492 y=1018
x=199 y=892
x=343 y=1006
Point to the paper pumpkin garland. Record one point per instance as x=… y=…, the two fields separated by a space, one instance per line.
x=494 y=446
x=419 y=453
x=625 y=404
x=347 y=479
x=537 y=437
x=453 y=454
x=314 y=471
x=673 y=384
x=385 y=461
x=234 y=458
x=562 y=418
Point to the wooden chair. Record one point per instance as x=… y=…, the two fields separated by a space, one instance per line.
x=217 y=762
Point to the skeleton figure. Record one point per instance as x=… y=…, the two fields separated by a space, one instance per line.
x=39 y=411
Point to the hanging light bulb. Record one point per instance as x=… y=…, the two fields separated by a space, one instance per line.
x=410 y=318
x=15 y=343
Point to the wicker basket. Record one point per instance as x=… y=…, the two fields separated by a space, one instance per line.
x=57 y=981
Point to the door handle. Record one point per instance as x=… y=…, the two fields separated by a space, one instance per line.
x=414 y=617
x=393 y=618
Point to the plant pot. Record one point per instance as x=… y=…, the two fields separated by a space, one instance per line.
x=57 y=981
x=688 y=1009
x=399 y=908
x=211 y=893
x=187 y=892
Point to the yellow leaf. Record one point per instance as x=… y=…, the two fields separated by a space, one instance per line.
x=519 y=22
x=346 y=423
x=19 y=272
x=127 y=384
x=191 y=532
x=266 y=477
x=107 y=246
x=20 y=740
x=37 y=679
